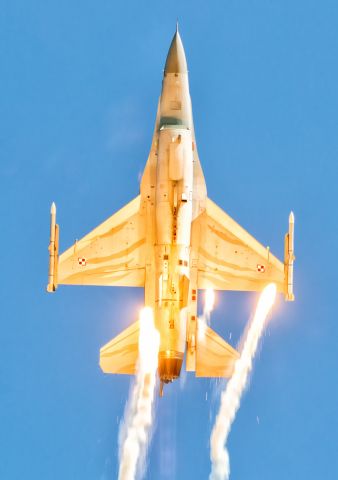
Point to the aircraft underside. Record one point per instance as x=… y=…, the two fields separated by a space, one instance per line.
x=173 y=241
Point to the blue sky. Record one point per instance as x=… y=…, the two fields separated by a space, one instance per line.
x=79 y=87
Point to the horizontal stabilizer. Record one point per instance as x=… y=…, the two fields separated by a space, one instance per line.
x=214 y=356
x=120 y=355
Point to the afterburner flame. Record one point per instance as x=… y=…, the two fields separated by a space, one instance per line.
x=230 y=399
x=136 y=426
x=148 y=342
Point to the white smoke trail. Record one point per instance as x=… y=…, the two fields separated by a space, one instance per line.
x=135 y=428
x=231 y=396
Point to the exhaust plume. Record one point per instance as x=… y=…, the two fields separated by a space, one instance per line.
x=231 y=396
x=135 y=430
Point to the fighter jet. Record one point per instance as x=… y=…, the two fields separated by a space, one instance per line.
x=173 y=241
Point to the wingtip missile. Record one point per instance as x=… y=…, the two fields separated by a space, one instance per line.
x=53 y=250
x=291 y=235
x=289 y=258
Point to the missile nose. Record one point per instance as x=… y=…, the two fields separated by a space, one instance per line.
x=291 y=218
x=53 y=209
x=176 y=61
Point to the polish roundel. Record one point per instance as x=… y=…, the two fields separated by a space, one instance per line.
x=260 y=268
x=82 y=261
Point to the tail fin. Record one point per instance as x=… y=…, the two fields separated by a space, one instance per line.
x=120 y=355
x=214 y=356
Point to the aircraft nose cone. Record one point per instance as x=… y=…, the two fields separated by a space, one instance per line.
x=176 y=61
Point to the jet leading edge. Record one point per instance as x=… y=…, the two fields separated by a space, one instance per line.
x=173 y=241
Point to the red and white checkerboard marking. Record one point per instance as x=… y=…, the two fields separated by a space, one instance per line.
x=82 y=261
x=260 y=268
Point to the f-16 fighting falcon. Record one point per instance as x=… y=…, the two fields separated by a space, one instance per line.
x=173 y=241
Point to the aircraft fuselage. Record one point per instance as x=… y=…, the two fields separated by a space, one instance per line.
x=172 y=200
